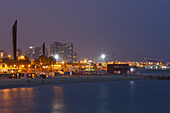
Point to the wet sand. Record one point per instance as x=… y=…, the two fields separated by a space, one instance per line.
x=24 y=82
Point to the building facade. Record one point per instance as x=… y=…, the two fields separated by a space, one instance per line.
x=64 y=50
x=55 y=48
x=74 y=57
x=34 y=52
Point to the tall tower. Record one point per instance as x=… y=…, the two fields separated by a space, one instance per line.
x=14 y=40
x=44 y=49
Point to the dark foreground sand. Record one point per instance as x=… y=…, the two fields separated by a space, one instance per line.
x=24 y=82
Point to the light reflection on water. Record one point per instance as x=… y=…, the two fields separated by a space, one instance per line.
x=58 y=102
x=31 y=99
x=16 y=96
x=145 y=96
x=132 y=94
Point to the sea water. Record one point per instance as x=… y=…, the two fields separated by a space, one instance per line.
x=140 y=96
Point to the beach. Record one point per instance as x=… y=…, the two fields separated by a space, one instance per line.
x=25 y=82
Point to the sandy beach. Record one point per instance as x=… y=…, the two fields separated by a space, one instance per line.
x=24 y=82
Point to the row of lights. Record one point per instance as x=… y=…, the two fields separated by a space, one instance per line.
x=103 y=56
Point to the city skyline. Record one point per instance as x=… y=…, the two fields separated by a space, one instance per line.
x=97 y=27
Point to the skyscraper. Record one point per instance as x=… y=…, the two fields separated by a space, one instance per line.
x=34 y=52
x=74 y=57
x=55 y=48
x=14 y=40
x=43 y=49
x=64 y=50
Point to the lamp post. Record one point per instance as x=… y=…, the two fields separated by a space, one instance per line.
x=103 y=57
x=56 y=57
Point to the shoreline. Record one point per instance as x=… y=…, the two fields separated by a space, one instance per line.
x=25 y=82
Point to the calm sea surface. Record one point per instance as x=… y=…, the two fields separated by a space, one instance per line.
x=154 y=72
x=141 y=96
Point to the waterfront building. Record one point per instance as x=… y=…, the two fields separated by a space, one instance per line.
x=118 y=68
x=64 y=50
x=55 y=48
x=152 y=61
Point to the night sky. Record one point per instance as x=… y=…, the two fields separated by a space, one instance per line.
x=131 y=29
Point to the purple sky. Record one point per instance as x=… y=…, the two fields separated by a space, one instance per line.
x=131 y=29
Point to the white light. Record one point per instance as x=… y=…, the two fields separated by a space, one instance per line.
x=31 y=47
x=56 y=57
x=103 y=56
x=132 y=69
x=90 y=61
x=164 y=67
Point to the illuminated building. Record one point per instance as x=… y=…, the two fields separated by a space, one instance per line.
x=155 y=61
x=31 y=53
x=3 y=54
x=118 y=68
x=55 y=48
x=64 y=50
x=74 y=57
x=34 y=52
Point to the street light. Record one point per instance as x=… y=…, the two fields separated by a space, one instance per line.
x=103 y=56
x=56 y=57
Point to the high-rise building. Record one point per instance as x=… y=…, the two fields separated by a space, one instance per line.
x=14 y=40
x=43 y=51
x=64 y=50
x=55 y=48
x=74 y=57
x=34 y=52
x=31 y=53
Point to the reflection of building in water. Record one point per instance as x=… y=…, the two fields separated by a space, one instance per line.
x=58 y=103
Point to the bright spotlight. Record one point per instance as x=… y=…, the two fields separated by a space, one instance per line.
x=103 y=56
x=56 y=57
